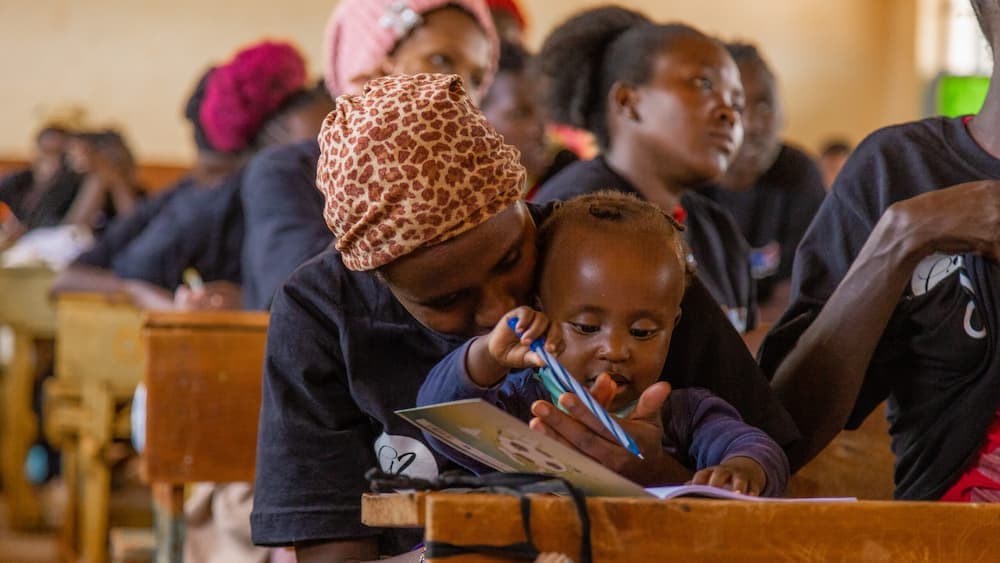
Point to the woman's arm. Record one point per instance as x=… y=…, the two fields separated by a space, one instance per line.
x=819 y=380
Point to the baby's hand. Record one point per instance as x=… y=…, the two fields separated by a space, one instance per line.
x=511 y=349
x=490 y=357
x=738 y=474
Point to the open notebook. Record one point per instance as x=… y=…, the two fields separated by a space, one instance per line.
x=497 y=439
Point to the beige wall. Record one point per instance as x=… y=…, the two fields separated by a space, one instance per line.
x=846 y=66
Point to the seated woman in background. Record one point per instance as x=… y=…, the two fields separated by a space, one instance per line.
x=109 y=187
x=284 y=211
x=41 y=195
x=199 y=223
x=772 y=189
x=512 y=106
x=664 y=102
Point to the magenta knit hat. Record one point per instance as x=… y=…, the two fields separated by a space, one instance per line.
x=242 y=94
x=361 y=33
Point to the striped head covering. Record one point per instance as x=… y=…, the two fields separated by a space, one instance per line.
x=410 y=163
x=361 y=33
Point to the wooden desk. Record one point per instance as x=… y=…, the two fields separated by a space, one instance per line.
x=203 y=389
x=99 y=362
x=25 y=308
x=628 y=530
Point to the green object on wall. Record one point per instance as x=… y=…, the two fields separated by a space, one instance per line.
x=960 y=95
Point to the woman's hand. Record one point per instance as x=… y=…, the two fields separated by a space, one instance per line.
x=738 y=474
x=216 y=295
x=581 y=430
x=954 y=220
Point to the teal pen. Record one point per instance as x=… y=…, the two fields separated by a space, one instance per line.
x=558 y=377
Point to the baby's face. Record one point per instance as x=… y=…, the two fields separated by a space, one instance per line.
x=617 y=303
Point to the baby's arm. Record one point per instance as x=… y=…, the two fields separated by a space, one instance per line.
x=729 y=452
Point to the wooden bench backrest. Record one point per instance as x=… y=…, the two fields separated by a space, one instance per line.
x=98 y=339
x=203 y=389
x=24 y=299
x=152 y=177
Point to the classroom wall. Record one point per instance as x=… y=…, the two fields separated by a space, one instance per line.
x=845 y=66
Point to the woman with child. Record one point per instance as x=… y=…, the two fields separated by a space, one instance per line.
x=612 y=273
x=433 y=246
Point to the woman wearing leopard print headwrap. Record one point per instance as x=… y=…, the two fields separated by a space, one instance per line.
x=433 y=246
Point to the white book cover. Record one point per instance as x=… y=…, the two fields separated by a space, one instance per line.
x=497 y=439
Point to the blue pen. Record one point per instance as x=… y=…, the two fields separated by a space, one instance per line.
x=564 y=381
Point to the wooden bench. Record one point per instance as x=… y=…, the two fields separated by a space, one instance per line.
x=25 y=308
x=858 y=463
x=99 y=362
x=628 y=530
x=203 y=388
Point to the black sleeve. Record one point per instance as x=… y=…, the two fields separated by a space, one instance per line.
x=314 y=444
x=283 y=211
x=805 y=200
x=839 y=231
x=121 y=233
x=706 y=351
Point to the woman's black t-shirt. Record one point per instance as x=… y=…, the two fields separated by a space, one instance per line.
x=343 y=355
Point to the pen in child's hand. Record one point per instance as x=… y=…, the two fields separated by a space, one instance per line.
x=563 y=380
x=193 y=280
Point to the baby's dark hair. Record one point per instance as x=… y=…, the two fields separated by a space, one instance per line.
x=614 y=211
x=589 y=53
x=748 y=53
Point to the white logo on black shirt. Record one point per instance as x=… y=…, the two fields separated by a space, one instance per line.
x=402 y=455
x=938 y=267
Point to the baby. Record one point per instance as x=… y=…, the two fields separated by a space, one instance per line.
x=611 y=280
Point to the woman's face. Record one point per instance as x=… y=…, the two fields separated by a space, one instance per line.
x=512 y=109
x=465 y=285
x=689 y=112
x=450 y=41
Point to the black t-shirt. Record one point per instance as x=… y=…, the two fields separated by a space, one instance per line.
x=935 y=341
x=284 y=219
x=45 y=210
x=343 y=354
x=718 y=248
x=774 y=213
x=187 y=227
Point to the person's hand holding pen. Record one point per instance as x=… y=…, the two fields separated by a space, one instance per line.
x=579 y=429
x=491 y=357
x=195 y=295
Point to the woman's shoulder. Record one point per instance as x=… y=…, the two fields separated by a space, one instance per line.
x=323 y=284
x=580 y=177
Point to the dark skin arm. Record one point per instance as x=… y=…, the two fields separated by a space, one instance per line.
x=819 y=381
x=582 y=431
x=78 y=279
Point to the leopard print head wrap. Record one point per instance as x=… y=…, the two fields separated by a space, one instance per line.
x=411 y=163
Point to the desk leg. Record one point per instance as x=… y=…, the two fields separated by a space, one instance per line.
x=95 y=437
x=168 y=513
x=20 y=430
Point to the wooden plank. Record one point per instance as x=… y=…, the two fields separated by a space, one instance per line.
x=402 y=510
x=98 y=339
x=25 y=304
x=203 y=389
x=705 y=530
x=26 y=309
